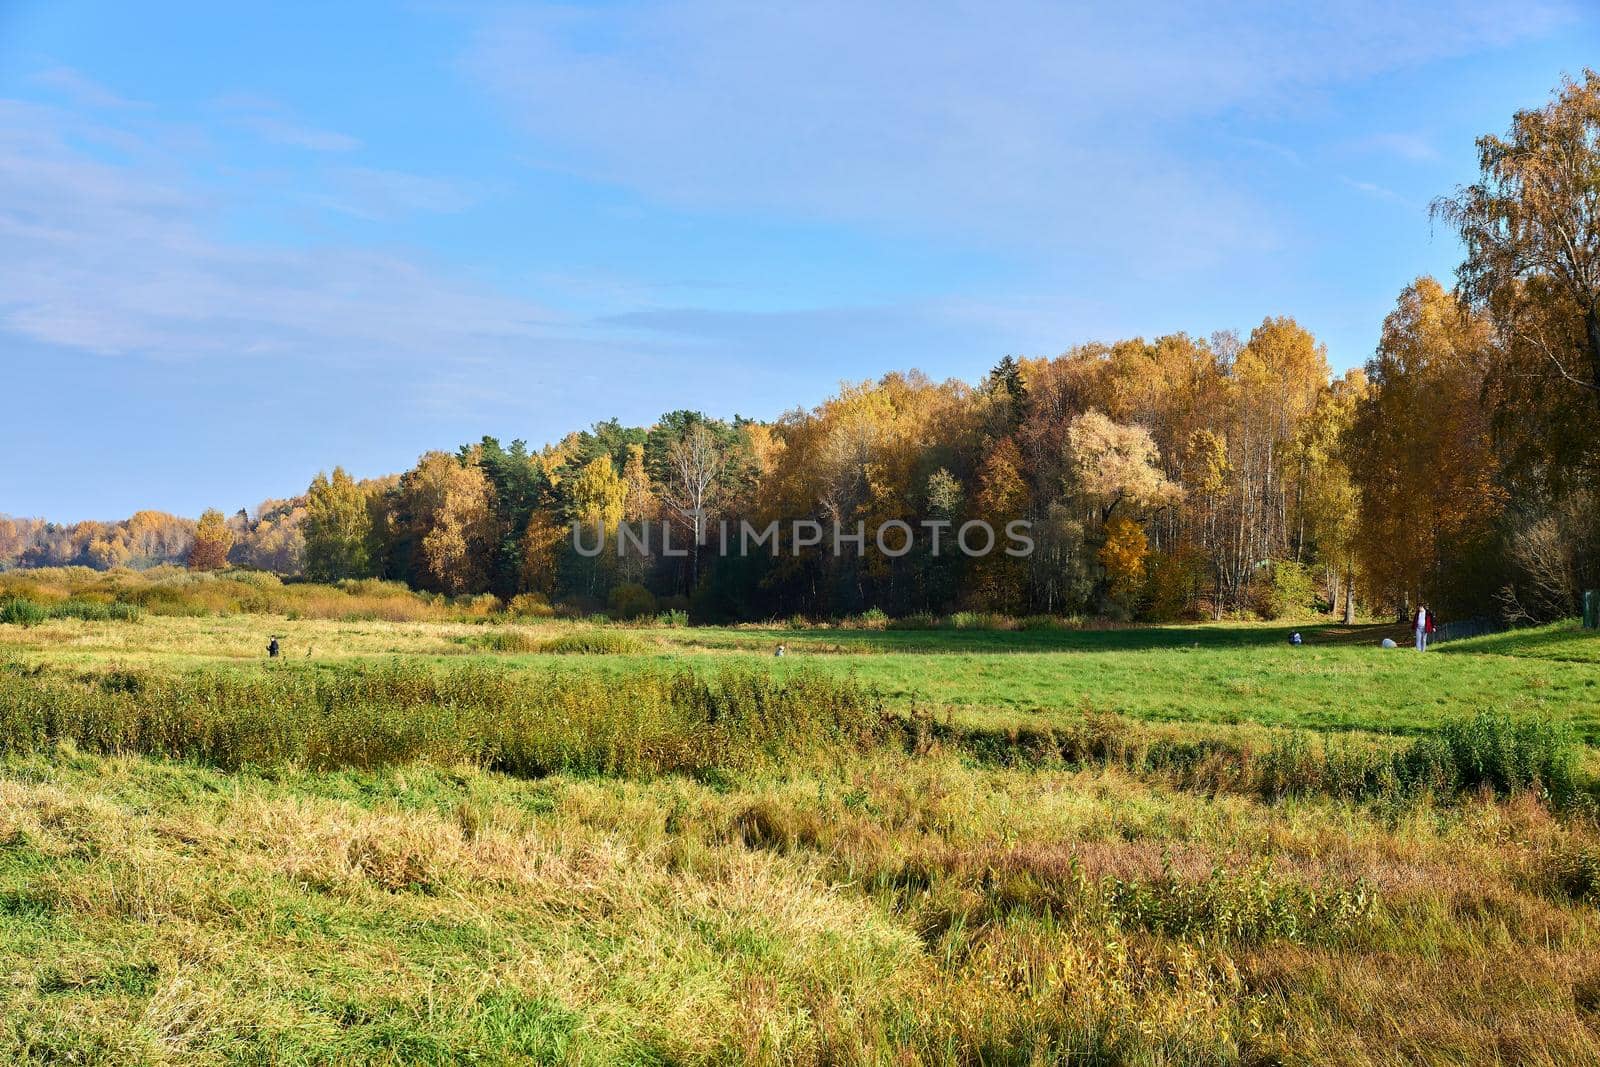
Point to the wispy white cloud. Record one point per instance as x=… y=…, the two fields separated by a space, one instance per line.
x=81 y=89
x=270 y=121
x=1272 y=148
x=1019 y=122
x=128 y=259
x=370 y=193
x=1372 y=189
x=293 y=135
x=1412 y=147
x=1061 y=130
x=123 y=258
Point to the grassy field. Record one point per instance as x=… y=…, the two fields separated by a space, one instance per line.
x=1339 y=680
x=464 y=842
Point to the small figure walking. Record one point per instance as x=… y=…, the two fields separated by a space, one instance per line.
x=272 y=649
x=780 y=650
x=1296 y=639
x=1423 y=626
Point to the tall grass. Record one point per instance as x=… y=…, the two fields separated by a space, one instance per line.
x=592 y=642
x=651 y=720
x=1505 y=755
x=25 y=612
x=1490 y=752
x=508 y=640
x=648 y=722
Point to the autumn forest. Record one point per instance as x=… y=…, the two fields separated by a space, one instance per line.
x=1184 y=476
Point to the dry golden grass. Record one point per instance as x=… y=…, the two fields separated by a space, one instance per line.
x=891 y=908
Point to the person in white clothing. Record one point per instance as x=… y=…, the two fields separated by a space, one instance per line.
x=1420 y=624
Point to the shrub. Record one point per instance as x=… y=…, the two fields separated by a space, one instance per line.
x=22 y=612
x=28 y=613
x=1572 y=872
x=113 y=612
x=873 y=618
x=1122 y=555
x=373 y=587
x=177 y=591
x=593 y=642
x=1173 y=583
x=1496 y=752
x=478 y=605
x=1249 y=907
x=1043 y=622
x=675 y=619
x=630 y=600
x=530 y=606
x=256 y=579
x=510 y=640
x=1289 y=590
x=1490 y=751
x=577 y=607
x=979 y=620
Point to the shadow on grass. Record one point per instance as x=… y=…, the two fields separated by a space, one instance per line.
x=1563 y=641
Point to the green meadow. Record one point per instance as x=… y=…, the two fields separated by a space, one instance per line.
x=1228 y=673
x=496 y=841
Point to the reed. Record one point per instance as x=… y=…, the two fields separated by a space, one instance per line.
x=650 y=722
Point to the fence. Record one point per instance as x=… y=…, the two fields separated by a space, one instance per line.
x=1457 y=629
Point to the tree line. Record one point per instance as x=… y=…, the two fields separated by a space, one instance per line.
x=1177 y=477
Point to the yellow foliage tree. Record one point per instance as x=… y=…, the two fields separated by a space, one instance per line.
x=453 y=516
x=599 y=496
x=1118 y=465
x=1420 y=448
x=640 y=503
x=1123 y=556
x=1328 y=500
x=1002 y=498
x=541 y=553
x=212 y=540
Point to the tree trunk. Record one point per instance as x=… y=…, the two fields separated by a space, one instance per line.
x=1349 y=595
x=1591 y=322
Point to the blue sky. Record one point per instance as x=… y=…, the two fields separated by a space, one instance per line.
x=242 y=243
